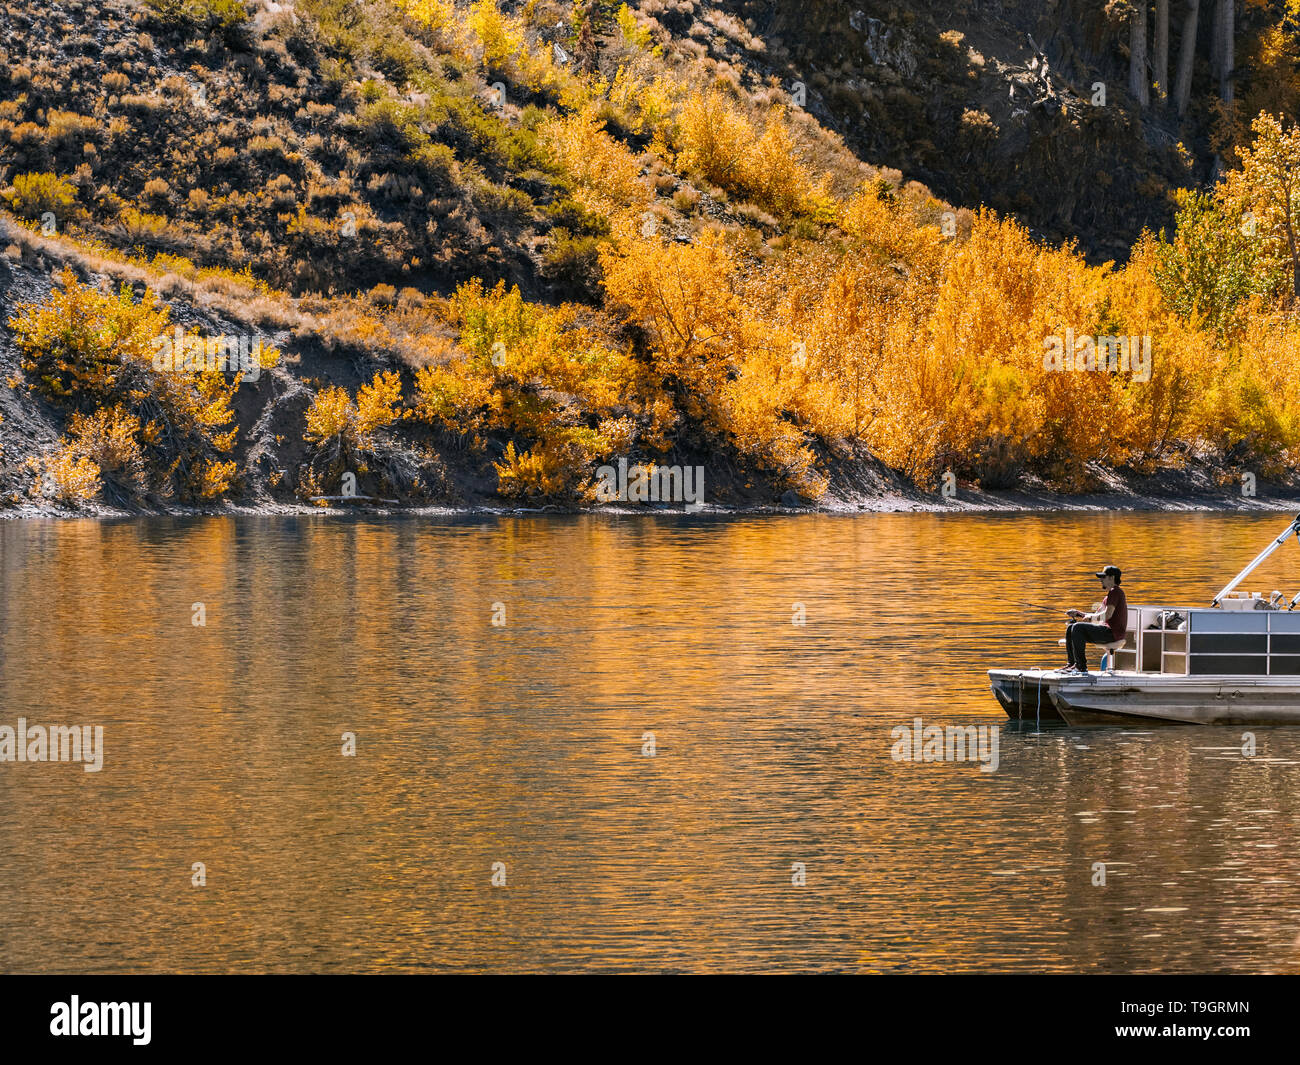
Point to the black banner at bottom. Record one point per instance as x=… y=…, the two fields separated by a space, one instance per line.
x=146 y=1014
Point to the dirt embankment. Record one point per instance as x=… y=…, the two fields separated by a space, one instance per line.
x=425 y=471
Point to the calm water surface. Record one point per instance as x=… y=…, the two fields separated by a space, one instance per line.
x=522 y=744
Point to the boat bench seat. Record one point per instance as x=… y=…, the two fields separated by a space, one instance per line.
x=1114 y=645
x=1107 y=659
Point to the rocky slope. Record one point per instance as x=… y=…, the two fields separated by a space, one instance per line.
x=327 y=175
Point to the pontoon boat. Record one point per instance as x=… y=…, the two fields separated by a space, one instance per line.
x=1235 y=662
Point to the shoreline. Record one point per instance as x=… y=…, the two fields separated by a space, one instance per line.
x=966 y=502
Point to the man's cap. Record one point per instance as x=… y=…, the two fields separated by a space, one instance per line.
x=1109 y=571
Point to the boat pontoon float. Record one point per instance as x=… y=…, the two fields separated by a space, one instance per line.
x=1235 y=662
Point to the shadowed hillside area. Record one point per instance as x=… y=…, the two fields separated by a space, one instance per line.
x=469 y=254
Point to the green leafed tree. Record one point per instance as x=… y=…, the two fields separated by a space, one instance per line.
x=1209 y=268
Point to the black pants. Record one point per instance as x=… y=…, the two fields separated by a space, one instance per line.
x=1078 y=634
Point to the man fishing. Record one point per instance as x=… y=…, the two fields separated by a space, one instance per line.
x=1107 y=625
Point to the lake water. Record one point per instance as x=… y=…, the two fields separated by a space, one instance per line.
x=525 y=744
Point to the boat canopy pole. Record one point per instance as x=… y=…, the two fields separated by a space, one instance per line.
x=1294 y=527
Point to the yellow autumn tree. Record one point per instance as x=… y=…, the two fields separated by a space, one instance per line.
x=1266 y=188
x=90 y=352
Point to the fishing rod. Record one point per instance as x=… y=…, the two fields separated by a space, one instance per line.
x=1061 y=612
x=1039 y=606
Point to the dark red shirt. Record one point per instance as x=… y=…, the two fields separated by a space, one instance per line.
x=1118 y=622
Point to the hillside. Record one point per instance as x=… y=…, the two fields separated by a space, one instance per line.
x=470 y=253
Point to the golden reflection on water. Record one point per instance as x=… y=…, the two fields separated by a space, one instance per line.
x=522 y=744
